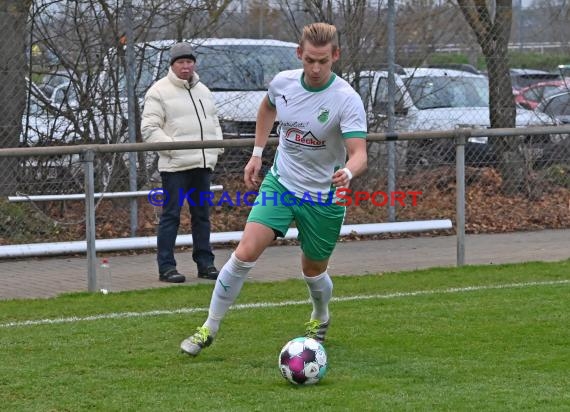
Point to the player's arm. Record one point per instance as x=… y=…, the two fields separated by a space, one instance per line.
x=266 y=116
x=356 y=164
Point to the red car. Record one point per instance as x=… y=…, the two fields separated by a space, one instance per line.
x=529 y=97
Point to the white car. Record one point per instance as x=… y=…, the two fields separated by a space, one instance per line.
x=557 y=106
x=237 y=71
x=437 y=99
x=44 y=124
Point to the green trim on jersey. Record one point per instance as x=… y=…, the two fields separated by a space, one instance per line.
x=316 y=89
x=350 y=135
x=271 y=104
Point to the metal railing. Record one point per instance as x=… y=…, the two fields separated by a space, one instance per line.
x=89 y=152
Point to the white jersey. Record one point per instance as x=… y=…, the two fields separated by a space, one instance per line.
x=313 y=124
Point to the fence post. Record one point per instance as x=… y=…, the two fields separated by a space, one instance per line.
x=460 y=141
x=131 y=118
x=391 y=56
x=87 y=157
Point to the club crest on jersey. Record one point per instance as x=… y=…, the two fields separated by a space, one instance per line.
x=323 y=115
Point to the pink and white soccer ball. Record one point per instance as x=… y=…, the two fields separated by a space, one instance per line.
x=303 y=361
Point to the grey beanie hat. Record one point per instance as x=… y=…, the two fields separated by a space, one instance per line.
x=181 y=50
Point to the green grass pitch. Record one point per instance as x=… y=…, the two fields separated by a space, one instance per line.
x=476 y=338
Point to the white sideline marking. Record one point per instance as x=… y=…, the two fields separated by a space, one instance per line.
x=121 y=315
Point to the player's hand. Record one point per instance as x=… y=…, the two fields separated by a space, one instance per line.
x=340 y=179
x=251 y=173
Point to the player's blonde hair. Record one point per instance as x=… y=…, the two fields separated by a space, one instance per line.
x=320 y=34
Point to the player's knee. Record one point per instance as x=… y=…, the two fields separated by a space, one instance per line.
x=313 y=272
x=238 y=267
x=313 y=268
x=243 y=259
x=248 y=252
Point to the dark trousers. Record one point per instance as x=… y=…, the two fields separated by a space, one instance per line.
x=177 y=185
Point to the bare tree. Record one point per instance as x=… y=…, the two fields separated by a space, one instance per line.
x=492 y=27
x=13 y=18
x=87 y=42
x=356 y=21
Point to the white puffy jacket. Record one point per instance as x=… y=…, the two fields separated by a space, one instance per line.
x=176 y=110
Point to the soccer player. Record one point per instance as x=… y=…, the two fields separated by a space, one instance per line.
x=321 y=120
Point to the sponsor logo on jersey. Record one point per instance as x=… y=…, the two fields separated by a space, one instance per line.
x=308 y=139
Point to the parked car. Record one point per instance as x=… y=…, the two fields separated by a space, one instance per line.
x=50 y=81
x=237 y=71
x=43 y=124
x=564 y=70
x=525 y=77
x=456 y=66
x=557 y=106
x=61 y=88
x=529 y=97
x=437 y=99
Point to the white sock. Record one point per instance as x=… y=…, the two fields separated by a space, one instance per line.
x=320 y=289
x=228 y=285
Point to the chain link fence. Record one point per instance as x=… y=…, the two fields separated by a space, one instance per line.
x=455 y=66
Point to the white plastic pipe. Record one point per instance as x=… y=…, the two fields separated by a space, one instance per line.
x=81 y=196
x=107 y=245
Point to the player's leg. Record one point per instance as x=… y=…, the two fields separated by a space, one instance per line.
x=266 y=221
x=256 y=237
x=319 y=227
x=320 y=287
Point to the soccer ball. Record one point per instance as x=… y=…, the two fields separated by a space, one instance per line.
x=303 y=361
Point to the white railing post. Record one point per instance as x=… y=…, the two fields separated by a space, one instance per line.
x=460 y=195
x=87 y=157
